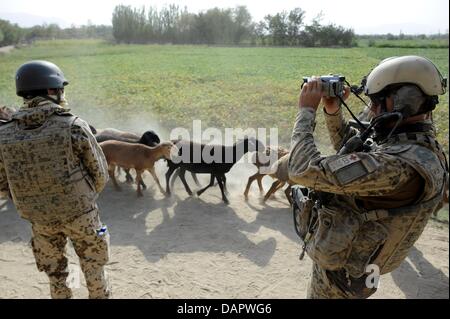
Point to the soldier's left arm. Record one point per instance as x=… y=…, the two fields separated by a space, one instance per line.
x=90 y=153
x=358 y=174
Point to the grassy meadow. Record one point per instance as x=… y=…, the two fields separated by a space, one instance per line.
x=405 y=43
x=168 y=86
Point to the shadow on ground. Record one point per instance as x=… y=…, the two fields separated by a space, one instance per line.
x=419 y=279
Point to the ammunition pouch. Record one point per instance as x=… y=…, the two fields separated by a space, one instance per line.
x=331 y=243
x=336 y=238
x=305 y=214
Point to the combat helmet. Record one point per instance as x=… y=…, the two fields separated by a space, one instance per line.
x=406 y=69
x=411 y=78
x=39 y=75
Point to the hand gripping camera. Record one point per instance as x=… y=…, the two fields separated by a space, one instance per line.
x=332 y=85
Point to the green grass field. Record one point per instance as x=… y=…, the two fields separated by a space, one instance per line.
x=405 y=43
x=222 y=86
x=140 y=87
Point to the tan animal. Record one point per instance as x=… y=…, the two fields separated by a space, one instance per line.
x=270 y=152
x=137 y=156
x=149 y=138
x=281 y=177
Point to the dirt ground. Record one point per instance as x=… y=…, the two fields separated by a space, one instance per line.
x=183 y=247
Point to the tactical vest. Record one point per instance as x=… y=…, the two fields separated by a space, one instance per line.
x=382 y=237
x=47 y=183
x=406 y=224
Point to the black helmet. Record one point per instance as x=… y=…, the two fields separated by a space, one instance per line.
x=39 y=75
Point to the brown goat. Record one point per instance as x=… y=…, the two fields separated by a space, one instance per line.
x=270 y=151
x=149 y=138
x=137 y=156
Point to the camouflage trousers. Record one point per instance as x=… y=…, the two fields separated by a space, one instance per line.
x=90 y=240
x=325 y=284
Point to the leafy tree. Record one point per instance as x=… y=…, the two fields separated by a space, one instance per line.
x=242 y=23
x=294 y=25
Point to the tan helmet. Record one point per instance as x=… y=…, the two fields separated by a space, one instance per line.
x=406 y=69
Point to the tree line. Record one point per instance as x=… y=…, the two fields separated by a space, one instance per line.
x=11 y=34
x=216 y=26
x=231 y=26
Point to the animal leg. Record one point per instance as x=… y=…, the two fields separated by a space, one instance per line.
x=275 y=186
x=143 y=184
x=155 y=177
x=280 y=186
x=194 y=177
x=128 y=177
x=127 y=172
x=220 y=179
x=211 y=183
x=250 y=181
x=259 y=178
x=174 y=177
x=224 y=179
x=168 y=174
x=111 y=170
x=183 y=179
x=138 y=180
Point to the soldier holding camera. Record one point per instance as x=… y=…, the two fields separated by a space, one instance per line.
x=368 y=204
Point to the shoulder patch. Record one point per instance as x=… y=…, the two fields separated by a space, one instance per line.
x=349 y=168
x=343 y=161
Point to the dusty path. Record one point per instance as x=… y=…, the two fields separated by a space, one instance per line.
x=199 y=248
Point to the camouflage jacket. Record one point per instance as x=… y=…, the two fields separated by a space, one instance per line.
x=401 y=172
x=50 y=163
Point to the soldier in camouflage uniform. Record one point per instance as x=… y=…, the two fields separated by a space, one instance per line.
x=375 y=202
x=53 y=169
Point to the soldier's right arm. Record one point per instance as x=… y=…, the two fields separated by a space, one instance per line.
x=355 y=174
x=90 y=153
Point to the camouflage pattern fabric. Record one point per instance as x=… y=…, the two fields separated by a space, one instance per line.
x=53 y=169
x=397 y=173
x=90 y=240
x=51 y=163
x=325 y=284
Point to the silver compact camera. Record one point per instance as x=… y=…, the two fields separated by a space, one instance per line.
x=332 y=85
